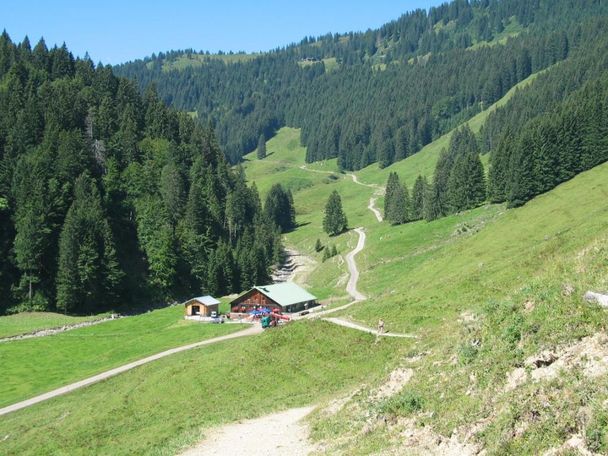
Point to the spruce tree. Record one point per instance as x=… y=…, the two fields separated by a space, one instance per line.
x=318 y=246
x=88 y=268
x=326 y=255
x=418 y=195
x=392 y=186
x=397 y=211
x=279 y=209
x=261 y=153
x=334 y=221
x=466 y=184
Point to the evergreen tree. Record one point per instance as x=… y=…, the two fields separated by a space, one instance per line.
x=334 y=221
x=398 y=208
x=392 y=186
x=261 y=153
x=279 y=209
x=318 y=246
x=418 y=195
x=88 y=273
x=466 y=184
x=326 y=255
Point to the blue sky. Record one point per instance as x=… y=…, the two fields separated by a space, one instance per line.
x=115 y=31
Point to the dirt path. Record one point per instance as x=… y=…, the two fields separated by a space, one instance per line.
x=358 y=327
x=351 y=286
x=272 y=435
x=378 y=191
x=119 y=370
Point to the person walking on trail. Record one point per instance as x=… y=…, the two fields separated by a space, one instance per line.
x=381 y=326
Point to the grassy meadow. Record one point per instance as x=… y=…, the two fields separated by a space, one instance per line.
x=483 y=301
x=53 y=361
x=162 y=407
x=483 y=290
x=28 y=322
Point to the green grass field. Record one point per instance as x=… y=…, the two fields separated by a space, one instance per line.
x=199 y=60
x=34 y=366
x=162 y=407
x=508 y=270
x=28 y=322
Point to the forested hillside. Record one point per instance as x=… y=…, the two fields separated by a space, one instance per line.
x=109 y=198
x=381 y=95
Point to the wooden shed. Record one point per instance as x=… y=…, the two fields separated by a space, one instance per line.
x=284 y=297
x=202 y=306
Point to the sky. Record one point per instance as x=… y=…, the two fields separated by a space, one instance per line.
x=114 y=31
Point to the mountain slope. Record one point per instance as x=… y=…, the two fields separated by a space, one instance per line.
x=390 y=92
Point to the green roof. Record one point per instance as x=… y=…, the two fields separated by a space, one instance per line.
x=286 y=293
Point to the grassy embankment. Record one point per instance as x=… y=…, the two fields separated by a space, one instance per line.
x=520 y=276
x=34 y=366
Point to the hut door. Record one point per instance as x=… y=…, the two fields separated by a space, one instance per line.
x=196 y=310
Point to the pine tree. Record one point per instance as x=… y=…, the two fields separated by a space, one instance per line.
x=88 y=273
x=261 y=153
x=334 y=221
x=397 y=209
x=279 y=209
x=326 y=255
x=392 y=186
x=318 y=246
x=418 y=195
x=334 y=251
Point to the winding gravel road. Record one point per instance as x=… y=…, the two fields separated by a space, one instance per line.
x=351 y=286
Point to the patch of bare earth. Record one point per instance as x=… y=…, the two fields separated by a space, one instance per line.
x=295 y=268
x=574 y=445
x=394 y=384
x=415 y=440
x=589 y=356
x=279 y=434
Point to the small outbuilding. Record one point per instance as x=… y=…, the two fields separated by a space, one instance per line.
x=202 y=306
x=285 y=297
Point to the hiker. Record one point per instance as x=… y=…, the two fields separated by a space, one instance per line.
x=381 y=326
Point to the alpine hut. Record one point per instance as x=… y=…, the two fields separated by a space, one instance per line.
x=202 y=306
x=285 y=297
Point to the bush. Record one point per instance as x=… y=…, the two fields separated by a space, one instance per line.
x=403 y=404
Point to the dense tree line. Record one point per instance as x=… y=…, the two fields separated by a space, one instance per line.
x=459 y=183
x=108 y=198
x=390 y=91
x=552 y=147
